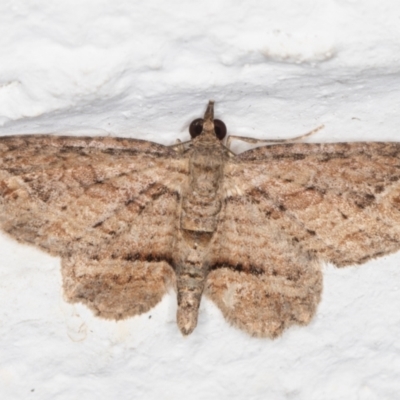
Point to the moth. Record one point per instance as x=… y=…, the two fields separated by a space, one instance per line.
x=131 y=218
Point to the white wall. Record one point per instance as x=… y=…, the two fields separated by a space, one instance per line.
x=144 y=69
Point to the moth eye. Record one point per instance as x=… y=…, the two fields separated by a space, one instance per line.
x=220 y=129
x=196 y=127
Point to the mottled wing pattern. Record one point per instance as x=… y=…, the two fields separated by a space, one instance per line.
x=293 y=206
x=107 y=206
x=341 y=201
x=260 y=279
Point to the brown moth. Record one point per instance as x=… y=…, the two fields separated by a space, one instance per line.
x=129 y=218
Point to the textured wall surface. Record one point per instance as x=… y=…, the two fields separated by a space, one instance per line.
x=276 y=69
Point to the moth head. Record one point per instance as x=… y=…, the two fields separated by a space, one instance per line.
x=208 y=124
